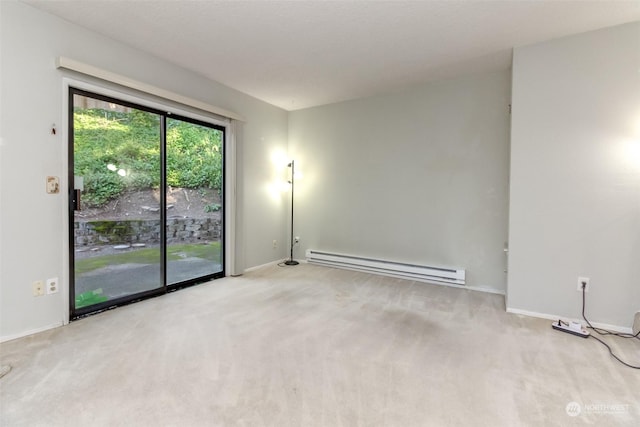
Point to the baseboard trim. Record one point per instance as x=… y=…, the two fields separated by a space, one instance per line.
x=258 y=267
x=270 y=264
x=613 y=328
x=486 y=290
x=29 y=332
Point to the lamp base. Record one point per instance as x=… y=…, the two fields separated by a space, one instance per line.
x=291 y=262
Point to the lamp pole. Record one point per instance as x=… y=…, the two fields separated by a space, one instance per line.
x=291 y=261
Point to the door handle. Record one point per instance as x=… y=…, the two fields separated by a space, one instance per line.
x=78 y=186
x=76 y=200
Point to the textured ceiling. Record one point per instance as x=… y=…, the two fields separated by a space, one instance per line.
x=299 y=54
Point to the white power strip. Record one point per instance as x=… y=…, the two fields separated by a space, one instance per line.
x=574 y=328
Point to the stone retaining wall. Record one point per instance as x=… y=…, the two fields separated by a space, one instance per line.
x=92 y=233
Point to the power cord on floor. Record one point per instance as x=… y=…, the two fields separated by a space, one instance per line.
x=601 y=331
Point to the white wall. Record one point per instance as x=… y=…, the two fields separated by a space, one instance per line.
x=575 y=176
x=418 y=176
x=31 y=101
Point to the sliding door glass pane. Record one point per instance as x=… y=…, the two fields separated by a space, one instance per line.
x=116 y=163
x=194 y=168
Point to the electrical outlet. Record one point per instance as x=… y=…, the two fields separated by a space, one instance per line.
x=582 y=280
x=275 y=244
x=38 y=288
x=52 y=285
x=296 y=239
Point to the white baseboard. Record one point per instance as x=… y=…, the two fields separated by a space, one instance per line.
x=29 y=332
x=483 y=289
x=462 y=287
x=613 y=328
x=258 y=267
x=272 y=263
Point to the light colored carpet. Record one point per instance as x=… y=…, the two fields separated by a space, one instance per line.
x=313 y=346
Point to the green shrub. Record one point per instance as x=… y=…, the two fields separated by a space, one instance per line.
x=101 y=187
x=107 y=141
x=213 y=207
x=88 y=298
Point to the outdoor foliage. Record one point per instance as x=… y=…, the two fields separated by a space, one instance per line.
x=90 y=298
x=212 y=207
x=120 y=151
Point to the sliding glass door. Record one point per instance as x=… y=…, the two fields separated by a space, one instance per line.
x=146 y=203
x=194 y=180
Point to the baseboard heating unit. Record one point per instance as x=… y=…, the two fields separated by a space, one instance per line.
x=421 y=273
